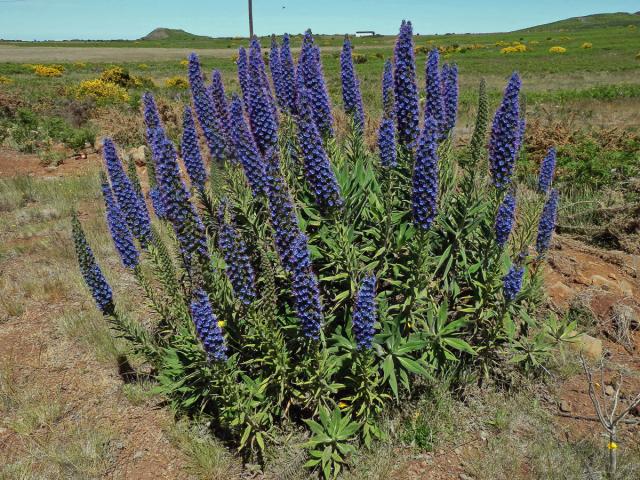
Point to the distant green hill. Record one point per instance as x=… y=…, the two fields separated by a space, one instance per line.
x=599 y=20
x=173 y=34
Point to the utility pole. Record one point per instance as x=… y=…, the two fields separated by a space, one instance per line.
x=250 y=19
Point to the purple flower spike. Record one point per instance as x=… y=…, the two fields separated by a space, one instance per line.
x=512 y=282
x=364 y=313
x=191 y=151
x=547 y=170
x=351 y=95
x=205 y=111
x=434 y=105
x=132 y=205
x=239 y=268
x=405 y=88
x=310 y=70
x=246 y=149
x=305 y=291
x=505 y=219
x=387 y=143
x=122 y=238
x=207 y=328
x=288 y=75
x=506 y=135
x=317 y=168
x=547 y=223
x=259 y=104
x=425 y=177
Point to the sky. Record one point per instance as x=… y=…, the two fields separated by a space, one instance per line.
x=130 y=19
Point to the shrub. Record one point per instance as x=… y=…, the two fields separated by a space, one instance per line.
x=102 y=91
x=557 y=49
x=5 y=80
x=359 y=58
x=80 y=65
x=515 y=49
x=586 y=45
x=118 y=76
x=143 y=66
x=176 y=82
x=47 y=71
x=315 y=286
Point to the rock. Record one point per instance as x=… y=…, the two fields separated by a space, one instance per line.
x=604 y=283
x=98 y=145
x=138 y=155
x=609 y=390
x=51 y=168
x=560 y=292
x=565 y=406
x=589 y=346
x=139 y=454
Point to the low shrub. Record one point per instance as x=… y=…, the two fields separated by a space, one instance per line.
x=557 y=49
x=176 y=82
x=5 y=80
x=101 y=91
x=47 y=71
x=586 y=45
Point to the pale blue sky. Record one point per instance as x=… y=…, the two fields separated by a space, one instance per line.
x=107 y=19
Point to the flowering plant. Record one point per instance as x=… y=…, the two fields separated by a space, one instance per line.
x=317 y=282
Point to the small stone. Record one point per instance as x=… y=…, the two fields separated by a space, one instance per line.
x=457 y=450
x=138 y=155
x=565 y=406
x=587 y=345
x=609 y=391
x=138 y=455
x=51 y=168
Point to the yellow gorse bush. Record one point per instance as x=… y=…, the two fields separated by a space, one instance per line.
x=102 y=91
x=5 y=80
x=47 y=70
x=515 y=49
x=80 y=65
x=557 y=49
x=586 y=45
x=143 y=66
x=176 y=82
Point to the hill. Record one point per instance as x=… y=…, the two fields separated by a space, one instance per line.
x=598 y=20
x=173 y=34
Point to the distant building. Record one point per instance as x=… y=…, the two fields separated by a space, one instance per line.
x=366 y=33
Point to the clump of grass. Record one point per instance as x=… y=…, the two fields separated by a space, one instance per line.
x=90 y=328
x=206 y=457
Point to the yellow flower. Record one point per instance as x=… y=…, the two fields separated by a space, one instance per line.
x=612 y=445
x=221 y=323
x=184 y=63
x=101 y=90
x=5 y=80
x=48 y=71
x=515 y=49
x=342 y=405
x=176 y=82
x=416 y=415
